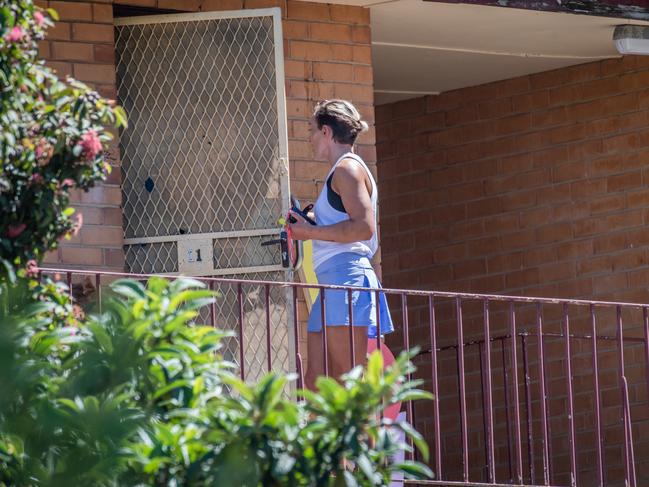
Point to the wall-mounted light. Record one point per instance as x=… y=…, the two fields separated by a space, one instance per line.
x=632 y=39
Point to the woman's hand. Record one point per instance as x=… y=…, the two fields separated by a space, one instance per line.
x=301 y=229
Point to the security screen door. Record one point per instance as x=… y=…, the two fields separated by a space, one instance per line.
x=204 y=161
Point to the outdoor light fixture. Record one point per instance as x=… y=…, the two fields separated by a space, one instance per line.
x=632 y=39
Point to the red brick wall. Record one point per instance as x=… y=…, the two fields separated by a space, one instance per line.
x=327 y=54
x=534 y=185
x=531 y=186
x=81 y=45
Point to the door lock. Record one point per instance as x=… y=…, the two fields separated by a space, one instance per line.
x=282 y=241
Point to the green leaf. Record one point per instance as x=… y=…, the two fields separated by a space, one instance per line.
x=91 y=404
x=69 y=403
x=120 y=117
x=239 y=385
x=199 y=385
x=16 y=446
x=414 y=470
x=154 y=464
x=414 y=395
x=177 y=384
x=99 y=333
x=129 y=288
x=193 y=299
x=157 y=286
x=271 y=391
x=366 y=466
x=6 y=18
x=374 y=367
x=53 y=13
x=349 y=479
x=284 y=464
x=417 y=438
x=184 y=283
x=312 y=397
x=331 y=390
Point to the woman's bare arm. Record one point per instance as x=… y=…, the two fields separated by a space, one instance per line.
x=350 y=181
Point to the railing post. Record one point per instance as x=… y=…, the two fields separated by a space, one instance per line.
x=571 y=404
x=435 y=387
x=212 y=287
x=629 y=457
x=296 y=331
x=269 y=349
x=491 y=462
x=543 y=395
x=645 y=320
x=507 y=419
x=406 y=346
x=323 y=317
x=241 y=316
x=68 y=281
x=598 y=401
x=350 y=305
x=98 y=287
x=462 y=383
x=377 y=295
x=528 y=410
x=517 y=411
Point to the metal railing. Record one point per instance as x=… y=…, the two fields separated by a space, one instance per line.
x=529 y=391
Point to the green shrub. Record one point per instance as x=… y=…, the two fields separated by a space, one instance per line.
x=138 y=395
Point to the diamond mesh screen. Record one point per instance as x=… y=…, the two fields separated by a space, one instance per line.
x=244 y=251
x=152 y=258
x=254 y=330
x=202 y=155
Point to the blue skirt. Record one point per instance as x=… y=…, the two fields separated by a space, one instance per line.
x=350 y=269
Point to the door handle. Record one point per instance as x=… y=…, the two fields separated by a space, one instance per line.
x=282 y=241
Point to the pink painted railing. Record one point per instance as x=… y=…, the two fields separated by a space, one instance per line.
x=529 y=391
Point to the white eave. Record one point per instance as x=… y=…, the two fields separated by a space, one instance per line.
x=423 y=48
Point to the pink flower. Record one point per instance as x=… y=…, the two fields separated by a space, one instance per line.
x=39 y=18
x=68 y=182
x=15 y=230
x=43 y=152
x=36 y=178
x=41 y=148
x=32 y=269
x=16 y=34
x=90 y=144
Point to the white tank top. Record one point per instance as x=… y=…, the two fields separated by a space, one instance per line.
x=326 y=214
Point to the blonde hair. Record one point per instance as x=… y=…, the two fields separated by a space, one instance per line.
x=343 y=119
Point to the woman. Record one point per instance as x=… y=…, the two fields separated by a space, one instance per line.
x=344 y=241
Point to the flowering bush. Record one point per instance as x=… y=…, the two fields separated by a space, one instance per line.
x=52 y=138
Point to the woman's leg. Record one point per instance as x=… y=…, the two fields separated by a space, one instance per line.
x=339 y=348
x=338 y=352
x=315 y=361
